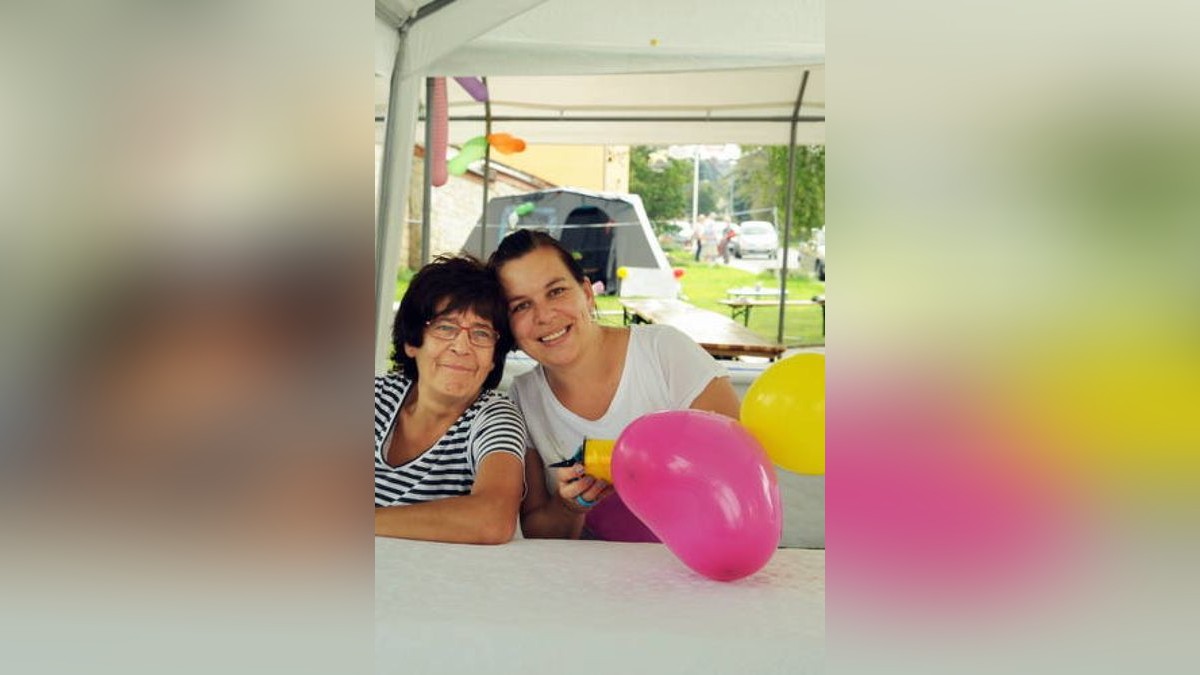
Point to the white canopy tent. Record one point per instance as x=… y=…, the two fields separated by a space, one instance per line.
x=704 y=107
x=576 y=71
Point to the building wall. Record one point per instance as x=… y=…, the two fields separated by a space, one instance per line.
x=579 y=166
x=456 y=207
x=616 y=168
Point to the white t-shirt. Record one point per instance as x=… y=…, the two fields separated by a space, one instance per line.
x=664 y=370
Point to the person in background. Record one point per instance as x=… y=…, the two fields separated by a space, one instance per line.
x=727 y=235
x=449 y=449
x=591 y=381
x=712 y=233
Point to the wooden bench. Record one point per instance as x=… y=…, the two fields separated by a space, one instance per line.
x=717 y=334
x=741 y=306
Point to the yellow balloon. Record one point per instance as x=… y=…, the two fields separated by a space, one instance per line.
x=622 y=272
x=785 y=410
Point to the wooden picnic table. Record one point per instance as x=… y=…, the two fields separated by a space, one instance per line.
x=718 y=335
x=740 y=305
x=753 y=292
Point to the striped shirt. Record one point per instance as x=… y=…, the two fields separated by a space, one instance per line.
x=491 y=424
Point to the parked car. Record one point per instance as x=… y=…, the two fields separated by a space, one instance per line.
x=755 y=237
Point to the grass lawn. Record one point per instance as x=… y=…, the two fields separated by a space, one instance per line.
x=705 y=283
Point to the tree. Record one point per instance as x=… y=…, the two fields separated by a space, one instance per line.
x=664 y=184
x=762 y=182
x=706 y=200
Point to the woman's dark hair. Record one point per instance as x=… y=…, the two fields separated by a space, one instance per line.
x=463 y=283
x=522 y=242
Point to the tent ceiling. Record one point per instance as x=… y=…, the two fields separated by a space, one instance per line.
x=728 y=107
x=622 y=63
x=574 y=37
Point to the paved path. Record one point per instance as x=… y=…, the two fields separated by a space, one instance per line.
x=758 y=264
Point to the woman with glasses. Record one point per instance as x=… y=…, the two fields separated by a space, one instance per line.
x=591 y=382
x=449 y=449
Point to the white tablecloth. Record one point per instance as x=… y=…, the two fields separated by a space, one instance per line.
x=578 y=607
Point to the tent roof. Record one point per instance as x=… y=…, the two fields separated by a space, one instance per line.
x=636 y=72
x=729 y=106
x=573 y=37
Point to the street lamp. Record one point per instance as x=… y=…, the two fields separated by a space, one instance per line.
x=726 y=152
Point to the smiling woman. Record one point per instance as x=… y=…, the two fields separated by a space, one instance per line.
x=591 y=382
x=448 y=448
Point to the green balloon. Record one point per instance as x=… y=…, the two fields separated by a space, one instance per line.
x=458 y=165
x=471 y=151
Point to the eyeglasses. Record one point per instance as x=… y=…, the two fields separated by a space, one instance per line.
x=476 y=335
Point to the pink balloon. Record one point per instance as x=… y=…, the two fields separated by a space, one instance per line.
x=704 y=486
x=439 y=132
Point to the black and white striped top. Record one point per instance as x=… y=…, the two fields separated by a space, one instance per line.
x=491 y=424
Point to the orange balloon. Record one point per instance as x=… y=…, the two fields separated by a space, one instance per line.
x=506 y=143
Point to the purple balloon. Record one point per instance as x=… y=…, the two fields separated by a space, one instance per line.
x=474 y=86
x=704 y=486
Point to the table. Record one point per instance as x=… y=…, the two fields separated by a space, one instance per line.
x=752 y=292
x=741 y=306
x=581 y=607
x=717 y=334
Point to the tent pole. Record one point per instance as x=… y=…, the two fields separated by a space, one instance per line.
x=387 y=164
x=695 y=187
x=487 y=161
x=427 y=183
x=790 y=199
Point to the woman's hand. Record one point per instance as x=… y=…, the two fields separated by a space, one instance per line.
x=580 y=491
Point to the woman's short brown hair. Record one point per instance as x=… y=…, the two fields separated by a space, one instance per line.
x=462 y=283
